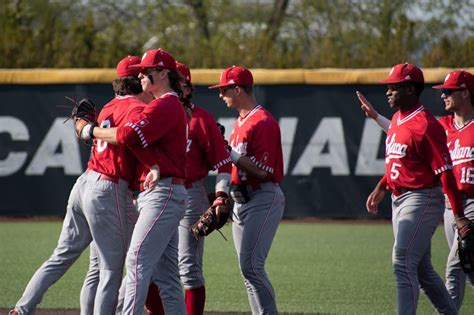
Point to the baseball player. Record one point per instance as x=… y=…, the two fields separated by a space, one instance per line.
x=206 y=151
x=127 y=90
x=457 y=91
x=96 y=210
x=256 y=173
x=417 y=162
x=157 y=135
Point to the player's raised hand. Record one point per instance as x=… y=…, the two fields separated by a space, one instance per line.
x=366 y=107
x=152 y=178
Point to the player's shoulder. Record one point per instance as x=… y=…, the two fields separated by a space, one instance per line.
x=265 y=117
x=198 y=111
x=430 y=124
x=167 y=102
x=446 y=121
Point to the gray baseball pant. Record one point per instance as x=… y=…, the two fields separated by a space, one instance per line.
x=415 y=216
x=95 y=211
x=254 y=228
x=91 y=281
x=191 y=249
x=156 y=236
x=455 y=277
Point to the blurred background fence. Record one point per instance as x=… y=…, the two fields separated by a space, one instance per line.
x=333 y=154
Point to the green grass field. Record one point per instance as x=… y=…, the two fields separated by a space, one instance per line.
x=315 y=268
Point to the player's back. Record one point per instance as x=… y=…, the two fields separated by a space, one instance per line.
x=114 y=160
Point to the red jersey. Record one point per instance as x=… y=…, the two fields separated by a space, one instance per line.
x=415 y=150
x=461 y=147
x=157 y=135
x=109 y=159
x=206 y=148
x=257 y=136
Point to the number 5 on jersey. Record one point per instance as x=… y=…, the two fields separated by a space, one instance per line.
x=394 y=172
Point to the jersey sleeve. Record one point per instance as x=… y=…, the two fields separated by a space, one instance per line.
x=433 y=145
x=265 y=141
x=126 y=134
x=147 y=126
x=217 y=153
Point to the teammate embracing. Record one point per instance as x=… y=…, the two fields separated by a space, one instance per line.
x=96 y=210
x=417 y=162
x=457 y=94
x=206 y=151
x=256 y=173
x=157 y=136
x=128 y=94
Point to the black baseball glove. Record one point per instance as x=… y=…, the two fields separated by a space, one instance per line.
x=213 y=218
x=466 y=247
x=84 y=114
x=222 y=131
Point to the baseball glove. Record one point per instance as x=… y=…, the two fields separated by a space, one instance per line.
x=84 y=114
x=466 y=247
x=213 y=218
x=222 y=131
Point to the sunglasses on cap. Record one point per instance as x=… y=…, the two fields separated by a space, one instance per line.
x=448 y=92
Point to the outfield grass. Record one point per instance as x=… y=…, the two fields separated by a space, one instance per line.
x=315 y=268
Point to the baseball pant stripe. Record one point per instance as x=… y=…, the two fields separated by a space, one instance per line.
x=122 y=226
x=410 y=243
x=141 y=243
x=270 y=291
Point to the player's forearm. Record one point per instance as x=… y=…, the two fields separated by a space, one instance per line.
x=383 y=122
x=450 y=188
x=382 y=184
x=245 y=164
x=222 y=182
x=106 y=134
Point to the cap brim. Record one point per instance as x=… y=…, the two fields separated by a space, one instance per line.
x=446 y=86
x=141 y=66
x=390 y=81
x=218 y=86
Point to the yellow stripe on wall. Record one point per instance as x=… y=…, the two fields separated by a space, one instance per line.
x=211 y=76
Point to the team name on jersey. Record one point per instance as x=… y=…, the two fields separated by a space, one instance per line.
x=394 y=150
x=460 y=154
x=241 y=148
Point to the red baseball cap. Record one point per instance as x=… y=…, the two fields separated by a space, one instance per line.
x=234 y=75
x=458 y=79
x=405 y=72
x=124 y=69
x=157 y=58
x=184 y=71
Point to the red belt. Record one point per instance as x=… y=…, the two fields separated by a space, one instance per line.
x=174 y=181
x=399 y=191
x=106 y=177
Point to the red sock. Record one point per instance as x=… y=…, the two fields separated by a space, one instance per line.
x=195 y=300
x=153 y=305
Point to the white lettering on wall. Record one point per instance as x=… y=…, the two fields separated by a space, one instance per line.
x=60 y=136
x=18 y=132
x=329 y=134
x=288 y=129
x=367 y=162
x=327 y=148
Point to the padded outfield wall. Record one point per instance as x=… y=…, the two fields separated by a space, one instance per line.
x=333 y=154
